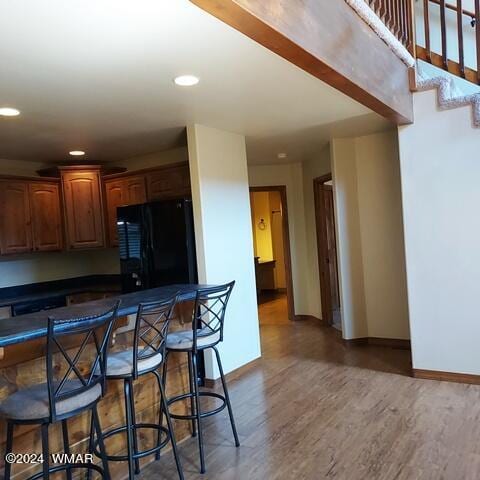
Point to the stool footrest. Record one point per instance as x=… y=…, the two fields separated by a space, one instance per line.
x=208 y=413
x=72 y=466
x=141 y=454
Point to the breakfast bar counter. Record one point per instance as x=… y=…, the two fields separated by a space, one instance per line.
x=22 y=363
x=34 y=325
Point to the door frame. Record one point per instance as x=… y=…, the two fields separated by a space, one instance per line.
x=320 y=220
x=282 y=189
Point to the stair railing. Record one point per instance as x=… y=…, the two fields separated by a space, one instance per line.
x=398 y=16
x=443 y=59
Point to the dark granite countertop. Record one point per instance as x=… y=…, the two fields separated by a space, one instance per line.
x=34 y=325
x=59 y=288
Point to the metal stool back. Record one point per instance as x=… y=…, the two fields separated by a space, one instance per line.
x=208 y=318
x=151 y=329
x=70 y=379
x=146 y=356
x=209 y=314
x=76 y=379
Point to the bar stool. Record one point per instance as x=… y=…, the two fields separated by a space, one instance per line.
x=144 y=356
x=75 y=384
x=206 y=332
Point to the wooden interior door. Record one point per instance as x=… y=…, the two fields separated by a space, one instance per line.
x=46 y=216
x=16 y=228
x=83 y=209
x=327 y=250
x=331 y=247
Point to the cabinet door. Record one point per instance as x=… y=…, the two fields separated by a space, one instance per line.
x=135 y=190
x=115 y=195
x=124 y=191
x=15 y=220
x=83 y=209
x=169 y=183
x=46 y=216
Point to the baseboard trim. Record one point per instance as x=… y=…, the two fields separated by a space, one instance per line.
x=397 y=343
x=302 y=318
x=446 y=376
x=355 y=342
x=209 y=383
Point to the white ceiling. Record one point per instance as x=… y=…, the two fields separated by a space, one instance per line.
x=97 y=76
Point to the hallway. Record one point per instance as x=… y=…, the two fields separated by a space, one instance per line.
x=273 y=309
x=312 y=408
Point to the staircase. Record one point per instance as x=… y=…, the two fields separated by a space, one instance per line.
x=448 y=95
x=390 y=21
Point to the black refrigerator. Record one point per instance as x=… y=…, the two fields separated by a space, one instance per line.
x=156 y=244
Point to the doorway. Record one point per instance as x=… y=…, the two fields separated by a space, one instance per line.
x=271 y=239
x=327 y=250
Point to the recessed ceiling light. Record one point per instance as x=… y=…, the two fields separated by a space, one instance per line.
x=186 y=80
x=77 y=153
x=9 y=112
x=282 y=155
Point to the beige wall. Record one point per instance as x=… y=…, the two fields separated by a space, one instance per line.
x=441 y=198
x=157 y=159
x=314 y=168
x=349 y=247
x=16 y=167
x=260 y=202
x=43 y=267
x=268 y=243
x=290 y=175
x=370 y=236
x=218 y=172
x=298 y=178
x=382 y=238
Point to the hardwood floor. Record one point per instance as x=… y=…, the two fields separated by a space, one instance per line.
x=312 y=408
x=274 y=311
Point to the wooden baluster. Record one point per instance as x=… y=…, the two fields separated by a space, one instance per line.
x=400 y=20
x=403 y=29
x=410 y=27
x=443 y=28
x=385 y=11
x=395 y=17
x=392 y=16
x=461 y=55
x=477 y=36
x=381 y=10
x=426 y=25
x=388 y=17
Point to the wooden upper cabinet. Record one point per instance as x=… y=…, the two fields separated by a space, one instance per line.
x=169 y=182
x=16 y=229
x=83 y=208
x=46 y=216
x=135 y=190
x=33 y=210
x=118 y=192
